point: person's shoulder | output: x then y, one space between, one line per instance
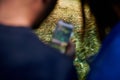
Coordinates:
115 35
44 49
112 42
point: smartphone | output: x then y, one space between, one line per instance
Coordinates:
62 33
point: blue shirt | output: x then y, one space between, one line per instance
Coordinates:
24 57
106 65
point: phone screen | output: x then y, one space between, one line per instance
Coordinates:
62 33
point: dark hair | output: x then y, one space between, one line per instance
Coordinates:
104 14
47 11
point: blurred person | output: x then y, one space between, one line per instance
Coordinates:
22 55
106 64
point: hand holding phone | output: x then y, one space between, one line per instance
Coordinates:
62 34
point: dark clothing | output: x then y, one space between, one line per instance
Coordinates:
106 65
24 57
